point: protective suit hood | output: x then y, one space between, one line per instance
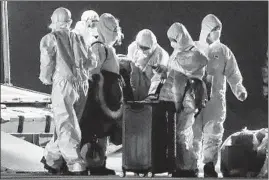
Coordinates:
60 18
208 24
179 33
108 28
89 15
89 34
147 38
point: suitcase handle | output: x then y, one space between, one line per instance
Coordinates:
156 95
136 107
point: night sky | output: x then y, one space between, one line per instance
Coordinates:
245 32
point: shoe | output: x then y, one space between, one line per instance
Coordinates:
101 171
209 170
52 170
184 173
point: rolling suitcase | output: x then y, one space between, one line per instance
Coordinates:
148 138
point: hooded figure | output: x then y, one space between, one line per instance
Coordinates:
104 104
65 63
184 87
87 26
222 67
146 54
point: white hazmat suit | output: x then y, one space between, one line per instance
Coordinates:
185 62
65 63
145 52
222 67
87 26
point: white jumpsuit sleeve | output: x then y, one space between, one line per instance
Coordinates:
131 49
164 57
91 63
47 58
233 74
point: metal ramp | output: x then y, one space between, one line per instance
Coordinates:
20 155
25 128
16 95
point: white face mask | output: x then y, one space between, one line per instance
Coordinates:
174 45
147 52
144 50
93 31
141 54
213 36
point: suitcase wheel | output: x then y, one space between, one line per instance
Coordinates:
142 174
122 174
150 174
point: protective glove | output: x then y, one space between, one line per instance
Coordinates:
241 92
160 68
45 81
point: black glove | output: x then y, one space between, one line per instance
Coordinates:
160 68
96 77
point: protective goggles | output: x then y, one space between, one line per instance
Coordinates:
217 28
172 40
143 48
93 24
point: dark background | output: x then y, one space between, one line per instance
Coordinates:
245 31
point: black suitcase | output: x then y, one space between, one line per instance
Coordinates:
148 138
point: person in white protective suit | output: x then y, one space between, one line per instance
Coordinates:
186 65
103 108
149 56
65 64
222 68
87 26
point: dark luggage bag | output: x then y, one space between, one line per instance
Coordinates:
148 138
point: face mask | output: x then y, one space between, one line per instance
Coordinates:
174 45
213 36
144 50
93 31
147 53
